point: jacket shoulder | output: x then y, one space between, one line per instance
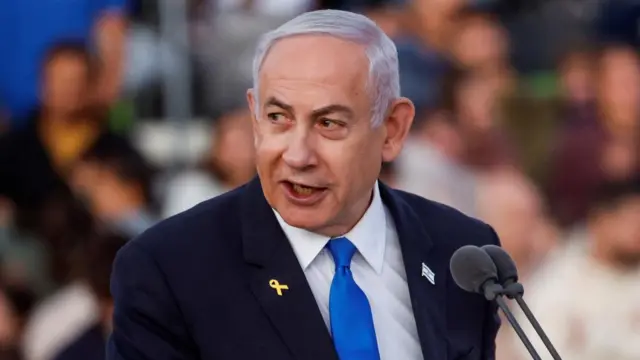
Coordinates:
201 226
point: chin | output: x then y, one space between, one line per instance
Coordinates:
304 218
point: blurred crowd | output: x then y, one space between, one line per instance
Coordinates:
528 117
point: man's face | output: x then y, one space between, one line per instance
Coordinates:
65 83
619 85
317 154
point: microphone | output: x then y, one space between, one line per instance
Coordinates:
508 277
507 270
474 271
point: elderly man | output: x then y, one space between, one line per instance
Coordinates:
313 259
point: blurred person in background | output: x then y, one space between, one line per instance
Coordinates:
25 258
90 343
286 8
480 44
534 122
228 164
66 227
587 297
421 42
433 21
430 164
31 27
509 202
577 69
448 146
35 160
116 183
223 42
514 207
473 101
590 152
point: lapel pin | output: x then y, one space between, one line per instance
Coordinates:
275 284
430 275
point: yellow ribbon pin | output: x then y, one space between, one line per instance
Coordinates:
275 284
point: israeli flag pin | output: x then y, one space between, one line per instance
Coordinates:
430 275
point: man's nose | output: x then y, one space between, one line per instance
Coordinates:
300 152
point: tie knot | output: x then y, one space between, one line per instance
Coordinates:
342 251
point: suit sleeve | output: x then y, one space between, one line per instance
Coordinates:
491 318
147 323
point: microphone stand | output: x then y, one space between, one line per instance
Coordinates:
496 292
515 291
514 323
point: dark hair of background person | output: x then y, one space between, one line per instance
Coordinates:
607 47
466 13
100 252
118 154
64 224
79 50
577 51
611 193
453 79
76 49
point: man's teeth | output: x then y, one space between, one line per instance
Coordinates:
302 190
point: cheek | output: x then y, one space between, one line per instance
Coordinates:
355 164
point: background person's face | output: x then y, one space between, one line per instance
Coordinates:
233 150
314 129
65 84
620 231
620 85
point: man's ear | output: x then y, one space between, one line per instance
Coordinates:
397 125
251 100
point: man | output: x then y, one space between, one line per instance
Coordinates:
251 274
35 160
594 313
115 181
100 24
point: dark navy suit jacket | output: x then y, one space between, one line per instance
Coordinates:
196 286
89 346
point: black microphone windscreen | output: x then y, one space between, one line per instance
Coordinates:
471 268
507 270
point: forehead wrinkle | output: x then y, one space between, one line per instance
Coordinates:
313 58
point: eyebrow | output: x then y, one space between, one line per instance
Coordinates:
323 111
272 101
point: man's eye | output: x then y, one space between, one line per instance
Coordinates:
329 124
276 117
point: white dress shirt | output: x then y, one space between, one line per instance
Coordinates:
377 268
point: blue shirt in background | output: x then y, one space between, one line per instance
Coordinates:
28 29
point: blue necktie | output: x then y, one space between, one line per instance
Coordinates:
354 335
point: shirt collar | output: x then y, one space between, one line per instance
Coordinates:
368 236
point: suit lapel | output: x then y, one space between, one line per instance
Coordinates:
294 313
428 300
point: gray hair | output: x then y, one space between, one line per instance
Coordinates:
384 79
